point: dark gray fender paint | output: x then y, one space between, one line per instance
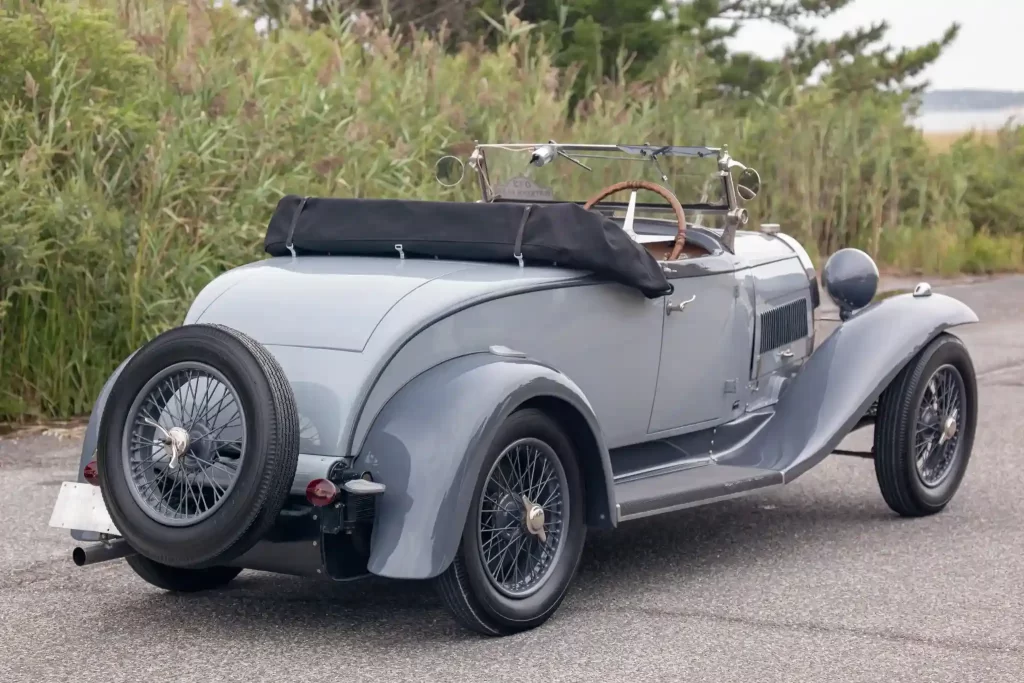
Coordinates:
427 445
843 377
91 434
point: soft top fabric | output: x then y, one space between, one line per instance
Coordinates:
563 235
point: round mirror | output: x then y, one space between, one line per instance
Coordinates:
748 184
449 171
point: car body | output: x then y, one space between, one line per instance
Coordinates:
404 367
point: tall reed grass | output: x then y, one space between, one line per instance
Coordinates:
143 146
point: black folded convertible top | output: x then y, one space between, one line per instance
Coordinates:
564 235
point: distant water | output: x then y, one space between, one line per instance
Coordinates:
960 121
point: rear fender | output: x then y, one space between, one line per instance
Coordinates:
845 376
91 434
428 443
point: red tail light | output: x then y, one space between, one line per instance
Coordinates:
91 473
321 492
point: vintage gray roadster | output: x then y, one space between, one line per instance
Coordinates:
457 390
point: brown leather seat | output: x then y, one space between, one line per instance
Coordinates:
662 250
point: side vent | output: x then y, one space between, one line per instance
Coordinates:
784 324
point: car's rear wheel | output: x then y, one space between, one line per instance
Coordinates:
198 446
924 432
524 534
179 579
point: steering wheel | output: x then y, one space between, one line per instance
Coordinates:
680 242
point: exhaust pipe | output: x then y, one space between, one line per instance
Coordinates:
101 552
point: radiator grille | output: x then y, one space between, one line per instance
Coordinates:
784 324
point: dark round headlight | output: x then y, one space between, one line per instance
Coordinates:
850 278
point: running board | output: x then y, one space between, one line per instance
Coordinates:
682 488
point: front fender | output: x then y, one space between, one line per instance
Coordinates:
427 445
92 430
846 374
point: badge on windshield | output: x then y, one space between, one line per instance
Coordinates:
523 189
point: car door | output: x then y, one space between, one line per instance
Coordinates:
703 351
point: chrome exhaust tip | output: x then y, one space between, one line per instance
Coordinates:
101 552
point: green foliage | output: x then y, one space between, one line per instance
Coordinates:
992 172
143 151
622 38
74 124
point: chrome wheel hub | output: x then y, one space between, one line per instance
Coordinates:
534 519
948 428
177 439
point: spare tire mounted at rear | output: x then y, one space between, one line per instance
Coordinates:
198 446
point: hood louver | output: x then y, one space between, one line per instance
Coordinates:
783 325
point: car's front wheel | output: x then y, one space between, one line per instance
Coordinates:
925 429
524 534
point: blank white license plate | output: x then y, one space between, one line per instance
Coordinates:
80 506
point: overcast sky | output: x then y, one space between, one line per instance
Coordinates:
988 53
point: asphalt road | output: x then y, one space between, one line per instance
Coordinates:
816 581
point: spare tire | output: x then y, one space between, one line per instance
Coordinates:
197 446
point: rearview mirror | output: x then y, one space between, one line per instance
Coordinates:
449 171
748 184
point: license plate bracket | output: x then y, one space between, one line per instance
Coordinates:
80 507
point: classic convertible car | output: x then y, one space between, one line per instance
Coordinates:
458 390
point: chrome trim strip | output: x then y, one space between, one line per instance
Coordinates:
668 468
695 503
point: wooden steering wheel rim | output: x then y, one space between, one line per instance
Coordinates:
680 242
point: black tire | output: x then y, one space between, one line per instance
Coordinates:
178 579
903 485
264 475
465 588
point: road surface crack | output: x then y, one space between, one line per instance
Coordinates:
817 627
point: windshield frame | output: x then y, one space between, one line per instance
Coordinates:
478 161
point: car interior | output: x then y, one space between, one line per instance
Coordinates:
657 235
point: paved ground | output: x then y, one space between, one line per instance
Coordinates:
817 581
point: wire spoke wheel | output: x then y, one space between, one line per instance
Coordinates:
523 516
925 427
184 443
940 422
197 449
522 537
